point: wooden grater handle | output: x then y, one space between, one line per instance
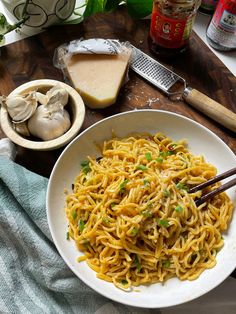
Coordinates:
211 108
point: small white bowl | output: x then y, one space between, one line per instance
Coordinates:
75 108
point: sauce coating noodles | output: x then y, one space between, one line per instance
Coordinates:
131 215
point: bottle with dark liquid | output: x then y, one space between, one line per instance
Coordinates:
171 25
221 32
208 6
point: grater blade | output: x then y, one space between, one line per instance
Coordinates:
155 72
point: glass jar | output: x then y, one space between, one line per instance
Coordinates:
221 32
171 25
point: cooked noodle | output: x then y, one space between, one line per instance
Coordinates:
131 215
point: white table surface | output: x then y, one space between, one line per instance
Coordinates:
201 22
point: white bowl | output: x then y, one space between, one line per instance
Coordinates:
201 141
75 106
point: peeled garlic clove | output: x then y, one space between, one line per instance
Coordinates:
48 125
21 128
58 94
21 108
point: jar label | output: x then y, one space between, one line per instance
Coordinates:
170 32
225 16
222 29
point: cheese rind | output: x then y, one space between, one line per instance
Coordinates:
98 78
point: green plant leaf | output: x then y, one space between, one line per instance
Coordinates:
111 5
4 25
94 6
139 8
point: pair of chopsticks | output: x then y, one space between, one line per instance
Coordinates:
218 190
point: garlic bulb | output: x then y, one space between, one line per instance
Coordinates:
21 107
49 122
21 128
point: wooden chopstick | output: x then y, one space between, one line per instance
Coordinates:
218 190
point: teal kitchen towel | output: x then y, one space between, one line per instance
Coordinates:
33 277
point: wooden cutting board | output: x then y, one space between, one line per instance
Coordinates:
32 58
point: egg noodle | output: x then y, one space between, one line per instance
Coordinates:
131 215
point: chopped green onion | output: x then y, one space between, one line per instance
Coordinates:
137 263
146 182
179 209
85 166
146 213
124 282
74 214
166 193
68 236
134 231
84 163
148 156
149 205
86 243
81 225
113 204
165 154
181 186
141 167
159 159
166 263
106 220
163 223
123 186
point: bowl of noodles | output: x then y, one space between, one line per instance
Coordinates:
122 218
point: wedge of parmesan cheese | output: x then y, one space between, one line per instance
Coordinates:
98 78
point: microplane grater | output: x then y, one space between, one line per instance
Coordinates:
154 72
172 84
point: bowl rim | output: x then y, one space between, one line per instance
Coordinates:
66 258
62 140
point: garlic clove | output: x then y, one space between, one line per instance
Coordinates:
21 128
41 98
57 94
21 107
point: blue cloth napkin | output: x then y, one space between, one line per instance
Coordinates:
34 278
